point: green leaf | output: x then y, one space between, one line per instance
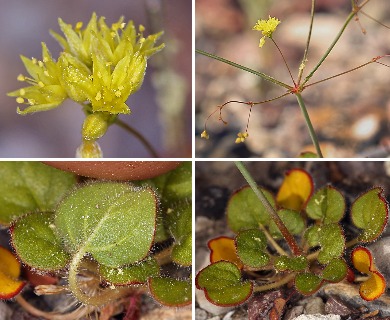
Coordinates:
115 222
176 184
245 211
307 283
284 263
291 219
179 224
30 186
331 239
221 282
335 271
308 154
251 248
135 273
171 292
35 241
327 205
182 251
369 212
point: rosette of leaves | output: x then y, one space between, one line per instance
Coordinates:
260 245
107 232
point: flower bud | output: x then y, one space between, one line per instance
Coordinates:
89 149
94 126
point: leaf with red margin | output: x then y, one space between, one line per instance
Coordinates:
222 284
370 212
295 190
10 286
170 292
375 286
224 248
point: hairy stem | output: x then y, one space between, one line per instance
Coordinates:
257 73
98 297
271 211
312 133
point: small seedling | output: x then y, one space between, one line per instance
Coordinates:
99 68
108 239
296 236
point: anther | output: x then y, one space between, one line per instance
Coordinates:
19 100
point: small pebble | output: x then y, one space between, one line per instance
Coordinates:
318 317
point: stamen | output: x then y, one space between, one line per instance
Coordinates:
40 63
19 100
98 96
21 78
41 84
34 60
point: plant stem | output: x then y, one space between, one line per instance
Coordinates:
349 18
285 62
76 314
273 214
276 246
276 284
257 73
97 297
139 136
312 133
304 59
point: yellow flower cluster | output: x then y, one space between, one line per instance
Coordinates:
100 65
267 28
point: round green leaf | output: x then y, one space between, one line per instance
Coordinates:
369 212
221 282
115 222
251 248
135 273
30 186
284 263
245 211
34 239
182 251
171 292
335 271
331 239
327 205
307 283
291 219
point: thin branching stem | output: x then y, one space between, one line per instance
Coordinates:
285 62
304 59
257 73
349 18
312 133
296 250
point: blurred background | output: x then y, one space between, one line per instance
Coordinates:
161 109
350 113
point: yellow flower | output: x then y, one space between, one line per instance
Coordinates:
241 136
267 28
100 65
45 91
204 135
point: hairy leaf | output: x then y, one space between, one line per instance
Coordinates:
115 222
291 219
307 283
251 248
245 211
369 212
335 271
171 292
35 241
326 205
222 284
30 186
284 263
